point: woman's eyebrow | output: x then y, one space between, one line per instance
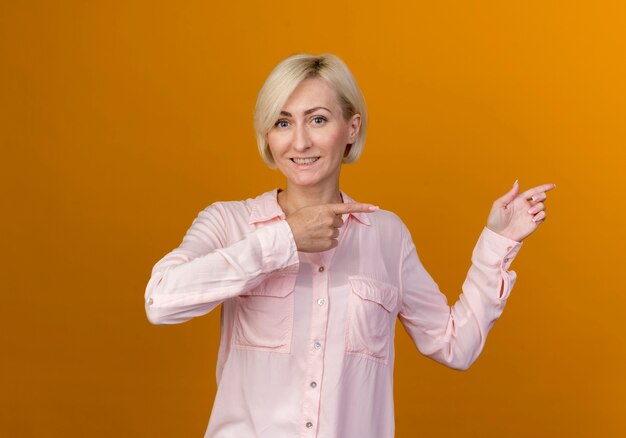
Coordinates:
312 110
307 112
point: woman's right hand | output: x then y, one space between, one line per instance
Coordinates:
316 228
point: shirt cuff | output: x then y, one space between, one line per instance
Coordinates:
278 248
497 249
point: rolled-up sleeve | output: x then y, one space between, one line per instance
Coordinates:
455 336
204 271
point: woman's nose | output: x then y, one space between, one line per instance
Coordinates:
302 140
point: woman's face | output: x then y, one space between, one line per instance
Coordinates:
309 139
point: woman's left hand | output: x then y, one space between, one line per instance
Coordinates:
517 215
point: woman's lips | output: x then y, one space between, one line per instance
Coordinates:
305 161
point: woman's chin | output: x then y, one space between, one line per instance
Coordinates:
308 181
303 183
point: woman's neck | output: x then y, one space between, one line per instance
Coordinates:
295 197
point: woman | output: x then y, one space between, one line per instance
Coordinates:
311 282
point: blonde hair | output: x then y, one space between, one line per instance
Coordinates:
284 79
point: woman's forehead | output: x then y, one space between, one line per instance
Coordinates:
311 93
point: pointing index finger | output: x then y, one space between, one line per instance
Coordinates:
539 189
353 207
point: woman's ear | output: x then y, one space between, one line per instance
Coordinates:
354 127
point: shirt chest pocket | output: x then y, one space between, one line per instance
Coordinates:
370 315
264 317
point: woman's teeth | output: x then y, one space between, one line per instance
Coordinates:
305 160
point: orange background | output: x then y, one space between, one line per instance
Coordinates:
121 120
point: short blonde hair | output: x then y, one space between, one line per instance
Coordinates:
284 79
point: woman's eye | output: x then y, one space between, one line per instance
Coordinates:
319 120
281 124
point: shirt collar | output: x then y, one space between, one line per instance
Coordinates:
265 207
360 216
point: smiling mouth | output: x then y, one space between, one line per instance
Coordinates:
305 160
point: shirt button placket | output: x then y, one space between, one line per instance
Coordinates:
319 323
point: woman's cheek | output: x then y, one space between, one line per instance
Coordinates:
278 142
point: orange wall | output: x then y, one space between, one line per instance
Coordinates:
121 120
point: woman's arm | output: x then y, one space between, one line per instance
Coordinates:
204 271
455 336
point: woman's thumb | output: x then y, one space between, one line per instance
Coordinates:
511 194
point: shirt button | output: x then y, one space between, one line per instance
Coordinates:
506 259
309 425
508 248
321 269
313 384
317 345
321 301
150 301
